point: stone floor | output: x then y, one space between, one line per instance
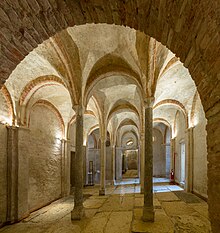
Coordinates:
120 211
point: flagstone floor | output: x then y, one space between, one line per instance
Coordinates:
120 211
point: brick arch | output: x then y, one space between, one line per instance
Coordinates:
162 120
31 88
190 29
178 25
175 103
40 81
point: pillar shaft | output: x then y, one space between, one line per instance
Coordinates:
103 164
78 211
142 161
148 210
12 174
172 151
113 164
189 183
65 171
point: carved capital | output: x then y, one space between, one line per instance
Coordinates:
149 102
79 110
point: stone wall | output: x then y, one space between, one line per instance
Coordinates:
200 152
94 155
159 154
44 158
118 161
168 153
25 144
3 173
109 164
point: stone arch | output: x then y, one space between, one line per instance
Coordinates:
31 88
175 103
127 121
133 132
120 106
108 66
189 29
37 83
164 121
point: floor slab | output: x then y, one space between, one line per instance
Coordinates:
119 211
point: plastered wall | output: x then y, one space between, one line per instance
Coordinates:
200 152
159 154
180 138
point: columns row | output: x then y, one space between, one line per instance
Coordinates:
148 211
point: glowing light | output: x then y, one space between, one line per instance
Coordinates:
129 142
5 120
84 142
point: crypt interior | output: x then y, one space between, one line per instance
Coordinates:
108 127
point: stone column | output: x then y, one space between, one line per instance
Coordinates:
172 159
103 162
65 164
78 211
142 161
189 160
85 175
148 209
113 164
12 174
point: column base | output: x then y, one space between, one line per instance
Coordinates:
77 213
102 192
148 214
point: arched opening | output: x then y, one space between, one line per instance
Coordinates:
174 35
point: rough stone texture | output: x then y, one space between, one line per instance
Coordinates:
55 217
3 173
44 158
189 29
24 152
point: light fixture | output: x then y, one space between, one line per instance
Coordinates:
129 142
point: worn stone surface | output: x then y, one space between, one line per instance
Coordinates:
101 216
189 29
3 174
44 159
162 223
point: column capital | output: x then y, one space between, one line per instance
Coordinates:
14 127
149 102
102 138
79 109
